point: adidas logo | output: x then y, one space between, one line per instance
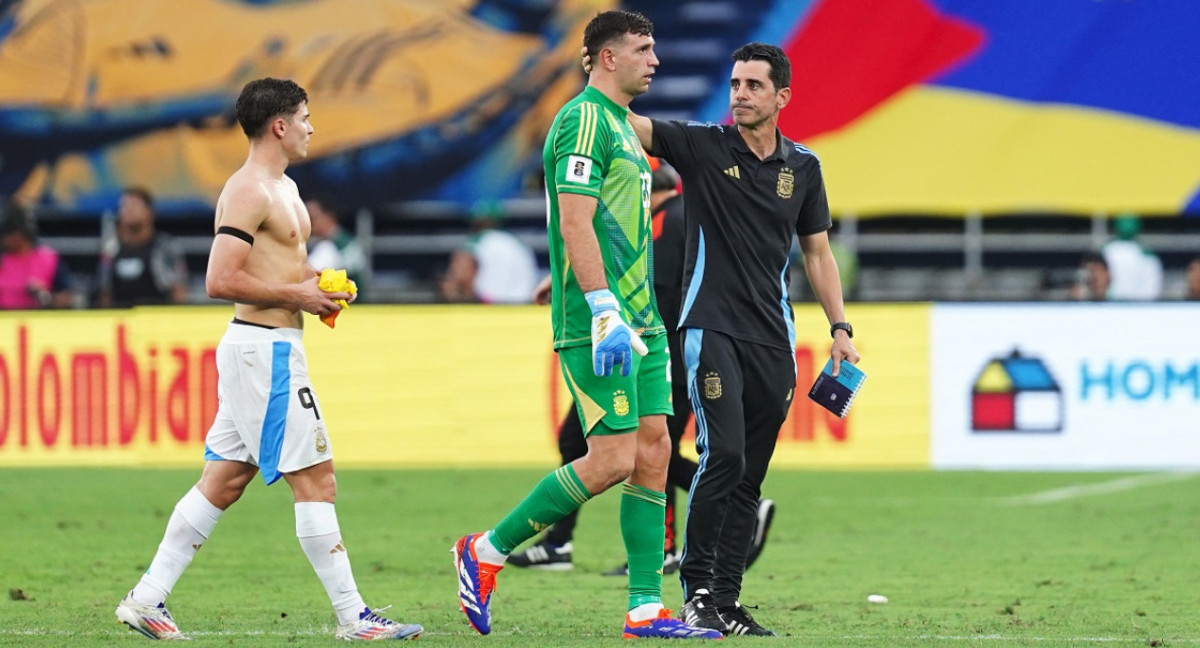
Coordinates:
339 547
734 172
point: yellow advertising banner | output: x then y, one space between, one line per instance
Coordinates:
401 386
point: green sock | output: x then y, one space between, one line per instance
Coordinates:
643 524
551 500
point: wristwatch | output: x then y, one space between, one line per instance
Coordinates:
841 326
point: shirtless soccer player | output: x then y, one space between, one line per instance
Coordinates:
269 419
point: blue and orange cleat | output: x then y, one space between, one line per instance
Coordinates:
665 627
476 581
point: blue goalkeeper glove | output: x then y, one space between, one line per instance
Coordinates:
612 340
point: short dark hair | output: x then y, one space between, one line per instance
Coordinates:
611 25
141 193
1094 257
15 218
781 67
265 99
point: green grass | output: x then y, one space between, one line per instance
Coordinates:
962 562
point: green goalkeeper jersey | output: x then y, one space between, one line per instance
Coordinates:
592 150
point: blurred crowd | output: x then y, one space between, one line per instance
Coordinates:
140 264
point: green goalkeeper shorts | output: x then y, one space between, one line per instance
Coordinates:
619 400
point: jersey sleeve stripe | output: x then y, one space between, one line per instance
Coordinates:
582 128
593 122
587 129
590 138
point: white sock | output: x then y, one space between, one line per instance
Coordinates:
190 525
486 551
317 529
645 611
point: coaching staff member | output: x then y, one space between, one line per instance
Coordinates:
749 189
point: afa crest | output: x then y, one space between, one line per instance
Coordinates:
786 183
322 441
712 385
620 403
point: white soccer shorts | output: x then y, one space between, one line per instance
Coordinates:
268 414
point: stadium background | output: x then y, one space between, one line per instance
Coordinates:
961 112
973 149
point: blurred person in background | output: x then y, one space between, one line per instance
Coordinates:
1192 280
331 246
32 275
1137 273
142 265
494 266
1092 280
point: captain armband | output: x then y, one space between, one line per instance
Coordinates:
235 233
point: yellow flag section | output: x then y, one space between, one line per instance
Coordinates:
993 154
402 386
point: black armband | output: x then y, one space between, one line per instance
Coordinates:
235 233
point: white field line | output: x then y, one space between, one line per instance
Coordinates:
50 632
1102 488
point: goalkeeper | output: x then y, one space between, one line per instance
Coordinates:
610 339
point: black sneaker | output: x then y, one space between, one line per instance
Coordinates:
701 611
670 566
762 525
739 622
544 555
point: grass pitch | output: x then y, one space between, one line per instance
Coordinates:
966 559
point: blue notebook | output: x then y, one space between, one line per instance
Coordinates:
837 394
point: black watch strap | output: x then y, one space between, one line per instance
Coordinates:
841 326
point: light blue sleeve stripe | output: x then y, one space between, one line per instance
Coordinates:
787 313
270 444
697 278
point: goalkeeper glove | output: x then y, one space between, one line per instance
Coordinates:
612 340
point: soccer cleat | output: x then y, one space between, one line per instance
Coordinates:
739 622
762 525
154 622
664 627
544 555
701 612
476 581
372 627
670 566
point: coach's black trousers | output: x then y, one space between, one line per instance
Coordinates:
740 393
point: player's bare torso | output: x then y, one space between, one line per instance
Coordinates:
279 253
